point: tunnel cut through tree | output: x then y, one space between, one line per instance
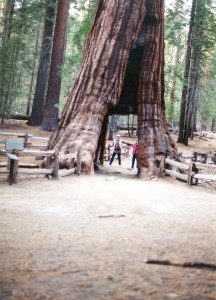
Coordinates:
121 30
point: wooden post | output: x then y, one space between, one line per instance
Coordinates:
72 163
25 140
162 163
16 165
10 176
56 164
48 166
78 170
13 170
190 173
195 155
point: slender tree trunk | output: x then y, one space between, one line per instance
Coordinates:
32 74
132 129
43 70
173 88
128 125
99 84
50 119
213 127
8 18
7 28
153 135
195 73
184 101
6 95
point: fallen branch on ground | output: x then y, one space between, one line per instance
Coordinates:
196 265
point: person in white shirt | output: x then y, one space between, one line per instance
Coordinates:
117 144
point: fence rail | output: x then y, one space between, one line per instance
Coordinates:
30 141
190 173
15 150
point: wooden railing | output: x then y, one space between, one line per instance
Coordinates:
14 151
190 173
30 141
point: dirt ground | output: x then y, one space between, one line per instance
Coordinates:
88 237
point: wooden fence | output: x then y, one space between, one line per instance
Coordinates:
30 141
15 150
189 172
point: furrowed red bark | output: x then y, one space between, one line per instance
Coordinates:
153 135
99 84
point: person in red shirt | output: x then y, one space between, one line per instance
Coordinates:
134 153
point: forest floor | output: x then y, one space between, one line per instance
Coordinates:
88 237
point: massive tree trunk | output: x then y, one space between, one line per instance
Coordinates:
104 79
51 110
43 70
99 84
153 135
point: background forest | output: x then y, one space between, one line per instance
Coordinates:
41 47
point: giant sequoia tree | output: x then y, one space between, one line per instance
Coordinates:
123 32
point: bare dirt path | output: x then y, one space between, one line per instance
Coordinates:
87 238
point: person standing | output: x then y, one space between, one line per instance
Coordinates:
134 153
117 144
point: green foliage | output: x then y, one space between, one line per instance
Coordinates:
16 48
207 105
79 24
176 22
203 43
18 33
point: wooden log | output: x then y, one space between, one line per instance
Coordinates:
15 134
177 164
27 165
35 147
177 175
42 138
198 265
4 173
36 171
187 156
66 172
68 156
20 117
205 167
204 176
190 173
27 152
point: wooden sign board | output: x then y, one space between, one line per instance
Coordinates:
12 156
11 145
